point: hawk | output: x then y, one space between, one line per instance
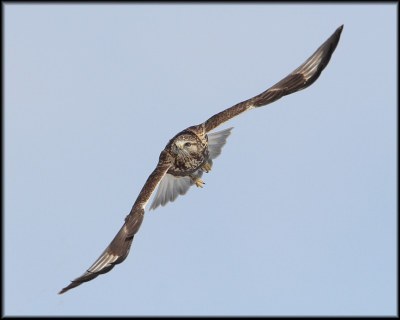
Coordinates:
191 152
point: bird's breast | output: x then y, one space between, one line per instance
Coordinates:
187 164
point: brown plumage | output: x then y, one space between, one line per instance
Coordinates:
190 153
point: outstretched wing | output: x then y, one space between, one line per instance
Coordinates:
299 79
171 187
118 249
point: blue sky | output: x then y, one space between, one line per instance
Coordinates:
297 217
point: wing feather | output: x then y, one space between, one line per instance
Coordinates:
216 141
299 79
118 249
169 189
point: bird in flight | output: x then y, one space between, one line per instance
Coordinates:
191 152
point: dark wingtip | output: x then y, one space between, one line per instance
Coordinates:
340 29
73 284
63 290
336 37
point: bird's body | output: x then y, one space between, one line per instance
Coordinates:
190 153
189 150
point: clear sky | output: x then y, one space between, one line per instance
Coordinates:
298 215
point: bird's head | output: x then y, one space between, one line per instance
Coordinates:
186 144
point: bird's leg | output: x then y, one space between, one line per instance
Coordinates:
206 167
197 181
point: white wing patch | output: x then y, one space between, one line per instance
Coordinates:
170 187
216 141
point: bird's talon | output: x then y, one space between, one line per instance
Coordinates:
206 167
199 183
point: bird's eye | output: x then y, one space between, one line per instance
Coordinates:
187 145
